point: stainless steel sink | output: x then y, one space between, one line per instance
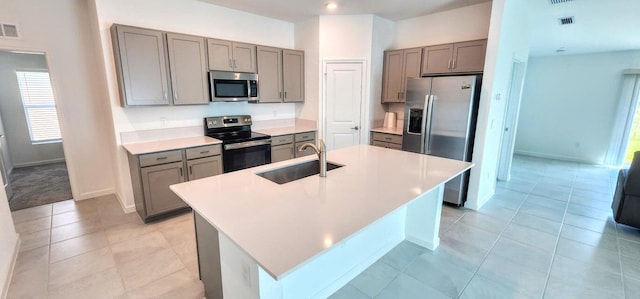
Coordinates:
295 172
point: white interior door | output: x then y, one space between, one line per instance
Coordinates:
511 120
344 92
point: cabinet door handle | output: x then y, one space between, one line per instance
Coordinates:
449 65
280 96
387 138
204 152
165 94
398 95
285 94
190 169
454 64
175 95
161 158
230 63
181 174
282 140
234 64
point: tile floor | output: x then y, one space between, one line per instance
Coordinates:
91 249
546 233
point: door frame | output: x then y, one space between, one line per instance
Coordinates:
629 101
364 126
73 180
510 122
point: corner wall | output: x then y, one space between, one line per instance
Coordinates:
8 242
508 40
569 105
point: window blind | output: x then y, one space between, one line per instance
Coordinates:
39 106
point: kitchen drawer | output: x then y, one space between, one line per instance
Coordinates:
160 158
284 139
379 143
394 146
203 151
387 137
305 136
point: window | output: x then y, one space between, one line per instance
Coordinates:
39 106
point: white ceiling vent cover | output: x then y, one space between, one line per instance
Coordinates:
566 21
9 31
559 1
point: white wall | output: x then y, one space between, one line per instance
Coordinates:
569 104
383 37
462 24
8 241
509 34
307 38
22 152
190 17
61 30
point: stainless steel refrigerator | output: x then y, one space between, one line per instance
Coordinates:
440 120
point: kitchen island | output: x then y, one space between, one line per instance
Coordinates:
308 238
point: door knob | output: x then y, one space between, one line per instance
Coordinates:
355 128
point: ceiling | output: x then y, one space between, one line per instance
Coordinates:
298 10
600 26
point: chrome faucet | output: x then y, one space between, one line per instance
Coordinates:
321 151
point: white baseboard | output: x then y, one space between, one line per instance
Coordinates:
127 209
478 204
16 251
37 163
557 157
97 193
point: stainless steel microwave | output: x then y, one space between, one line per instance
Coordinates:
233 87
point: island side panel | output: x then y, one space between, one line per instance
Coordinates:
422 225
208 247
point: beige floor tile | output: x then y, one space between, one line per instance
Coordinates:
193 268
78 245
127 231
147 269
74 216
112 214
30 275
31 213
173 220
80 266
34 240
64 206
105 284
178 233
76 229
31 226
187 249
138 247
176 283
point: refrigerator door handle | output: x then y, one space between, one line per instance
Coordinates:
423 127
429 118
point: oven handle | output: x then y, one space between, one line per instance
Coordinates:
246 144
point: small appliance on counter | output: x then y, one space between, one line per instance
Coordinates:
440 120
241 148
233 87
389 120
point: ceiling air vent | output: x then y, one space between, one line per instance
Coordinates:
559 1
9 31
566 21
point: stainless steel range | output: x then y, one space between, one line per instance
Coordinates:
241 148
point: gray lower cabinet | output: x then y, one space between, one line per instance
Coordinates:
282 148
302 138
391 141
204 167
156 181
152 174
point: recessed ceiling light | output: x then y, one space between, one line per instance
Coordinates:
332 5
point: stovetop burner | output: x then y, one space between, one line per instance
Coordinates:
231 129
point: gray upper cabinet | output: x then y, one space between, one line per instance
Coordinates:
188 65
469 56
231 56
270 74
156 181
463 57
293 75
437 59
141 62
398 66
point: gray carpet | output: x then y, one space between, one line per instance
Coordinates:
38 185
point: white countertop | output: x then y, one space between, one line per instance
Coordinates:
282 226
395 131
169 144
299 128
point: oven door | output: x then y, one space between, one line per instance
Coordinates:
248 154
